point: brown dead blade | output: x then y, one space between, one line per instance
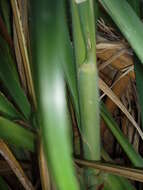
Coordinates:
15 166
44 173
103 86
23 49
133 174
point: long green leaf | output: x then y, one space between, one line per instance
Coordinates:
7 109
128 22
9 79
135 158
49 49
16 135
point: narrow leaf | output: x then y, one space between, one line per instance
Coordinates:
12 85
128 22
7 109
135 158
17 135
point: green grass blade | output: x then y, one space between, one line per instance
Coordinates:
135 158
7 109
11 83
16 135
87 23
128 22
49 55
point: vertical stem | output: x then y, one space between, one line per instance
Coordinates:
85 51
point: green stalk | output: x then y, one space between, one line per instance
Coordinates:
85 51
49 55
89 108
79 46
89 111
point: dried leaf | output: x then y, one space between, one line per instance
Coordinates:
15 166
103 86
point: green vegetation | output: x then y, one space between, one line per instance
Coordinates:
50 94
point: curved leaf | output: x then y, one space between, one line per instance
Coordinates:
17 135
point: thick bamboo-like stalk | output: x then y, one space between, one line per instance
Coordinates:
84 42
89 109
